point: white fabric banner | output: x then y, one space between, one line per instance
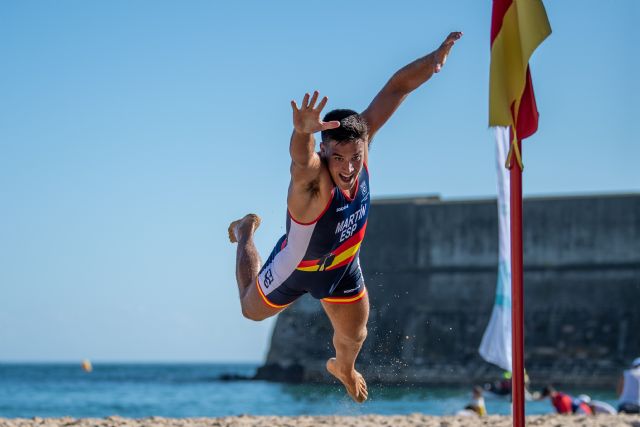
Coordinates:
496 341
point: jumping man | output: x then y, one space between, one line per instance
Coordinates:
328 205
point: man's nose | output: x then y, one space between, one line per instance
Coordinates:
350 167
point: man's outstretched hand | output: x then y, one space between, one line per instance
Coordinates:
306 119
443 51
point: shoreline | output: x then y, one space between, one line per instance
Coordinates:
413 420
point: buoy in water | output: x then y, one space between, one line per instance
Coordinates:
86 365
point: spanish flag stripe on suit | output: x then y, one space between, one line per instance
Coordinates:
342 255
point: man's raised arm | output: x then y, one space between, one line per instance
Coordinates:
306 121
403 82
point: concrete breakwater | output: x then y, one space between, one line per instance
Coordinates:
431 270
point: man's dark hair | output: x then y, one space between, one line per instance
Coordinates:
353 127
548 390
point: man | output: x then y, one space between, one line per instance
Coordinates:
565 404
328 206
629 389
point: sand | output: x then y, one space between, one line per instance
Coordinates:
413 420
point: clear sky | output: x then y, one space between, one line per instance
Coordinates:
133 132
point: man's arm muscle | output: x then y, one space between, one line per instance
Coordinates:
306 165
305 162
403 82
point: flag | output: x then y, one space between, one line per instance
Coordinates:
517 28
496 342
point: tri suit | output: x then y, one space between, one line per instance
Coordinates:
320 257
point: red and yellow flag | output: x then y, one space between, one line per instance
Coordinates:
517 28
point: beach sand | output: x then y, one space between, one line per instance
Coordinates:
414 420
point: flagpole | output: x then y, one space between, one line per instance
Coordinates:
517 29
517 307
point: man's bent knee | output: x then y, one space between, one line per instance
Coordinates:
355 338
360 336
252 314
253 308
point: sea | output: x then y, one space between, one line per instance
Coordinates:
213 390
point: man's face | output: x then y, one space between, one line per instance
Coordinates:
344 162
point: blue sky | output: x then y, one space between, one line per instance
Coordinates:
132 133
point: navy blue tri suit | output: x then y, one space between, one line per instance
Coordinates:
320 257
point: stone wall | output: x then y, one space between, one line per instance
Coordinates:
431 270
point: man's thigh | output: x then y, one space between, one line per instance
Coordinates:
348 318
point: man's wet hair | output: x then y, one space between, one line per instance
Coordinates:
353 127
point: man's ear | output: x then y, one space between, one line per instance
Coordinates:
323 148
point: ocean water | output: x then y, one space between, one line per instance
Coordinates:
196 390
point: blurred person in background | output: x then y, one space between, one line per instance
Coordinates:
564 403
629 389
597 406
476 407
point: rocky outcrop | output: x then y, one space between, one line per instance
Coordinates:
431 270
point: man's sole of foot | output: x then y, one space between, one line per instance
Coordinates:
233 227
357 391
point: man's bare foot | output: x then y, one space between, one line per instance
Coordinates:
353 381
247 224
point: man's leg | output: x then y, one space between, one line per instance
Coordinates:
247 267
349 332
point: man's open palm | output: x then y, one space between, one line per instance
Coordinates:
306 119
